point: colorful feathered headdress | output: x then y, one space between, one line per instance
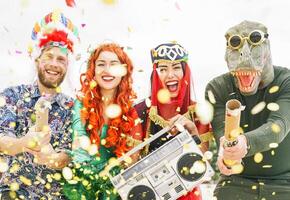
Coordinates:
53 30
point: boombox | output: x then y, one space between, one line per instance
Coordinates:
167 173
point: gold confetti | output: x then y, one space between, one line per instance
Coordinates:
238 168
113 162
118 70
109 2
67 173
32 143
273 106
57 176
15 167
128 159
113 111
258 157
275 128
58 90
211 97
258 108
163 96
12 124
25 180
93 84
272 152
204 112
273 89
254 187
273 145
3 166
2 101
103 142
93 149
14 186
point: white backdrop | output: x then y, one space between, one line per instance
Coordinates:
199 25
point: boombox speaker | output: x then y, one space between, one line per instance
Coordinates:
167 173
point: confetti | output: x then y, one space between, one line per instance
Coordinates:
204 111
273 89
3 166
273 106
258 108
58 90
258 157
85 142
109 2
208 155
103 142
177 6
273 145
25 180
148 102
267 166
163 96
113 162
2 101
211 97
93 84
237 169
275 128
93 149
14 186
198 167
118 70
113 111
70 3
67 173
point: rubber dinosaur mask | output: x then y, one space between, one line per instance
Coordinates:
248 56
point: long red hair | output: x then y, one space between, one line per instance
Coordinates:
92 112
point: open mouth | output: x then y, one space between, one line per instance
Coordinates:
172 86
246 79
52 73
108 78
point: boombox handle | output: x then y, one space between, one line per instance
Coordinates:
143 144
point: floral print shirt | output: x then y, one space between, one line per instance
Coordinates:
17 115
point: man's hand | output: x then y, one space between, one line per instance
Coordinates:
34 140
236 152
181 121
49 157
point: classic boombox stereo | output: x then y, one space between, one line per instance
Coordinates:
167 173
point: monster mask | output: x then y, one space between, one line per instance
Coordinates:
248 56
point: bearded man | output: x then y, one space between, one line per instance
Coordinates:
264 90
33 157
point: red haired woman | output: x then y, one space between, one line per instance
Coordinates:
103 114
171 90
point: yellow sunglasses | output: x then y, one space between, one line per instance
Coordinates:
255 38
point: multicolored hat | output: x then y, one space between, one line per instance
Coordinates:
169 52
53 30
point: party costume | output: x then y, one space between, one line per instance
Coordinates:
152 115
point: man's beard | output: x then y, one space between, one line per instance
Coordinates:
48 83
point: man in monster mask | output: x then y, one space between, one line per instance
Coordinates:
264 90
